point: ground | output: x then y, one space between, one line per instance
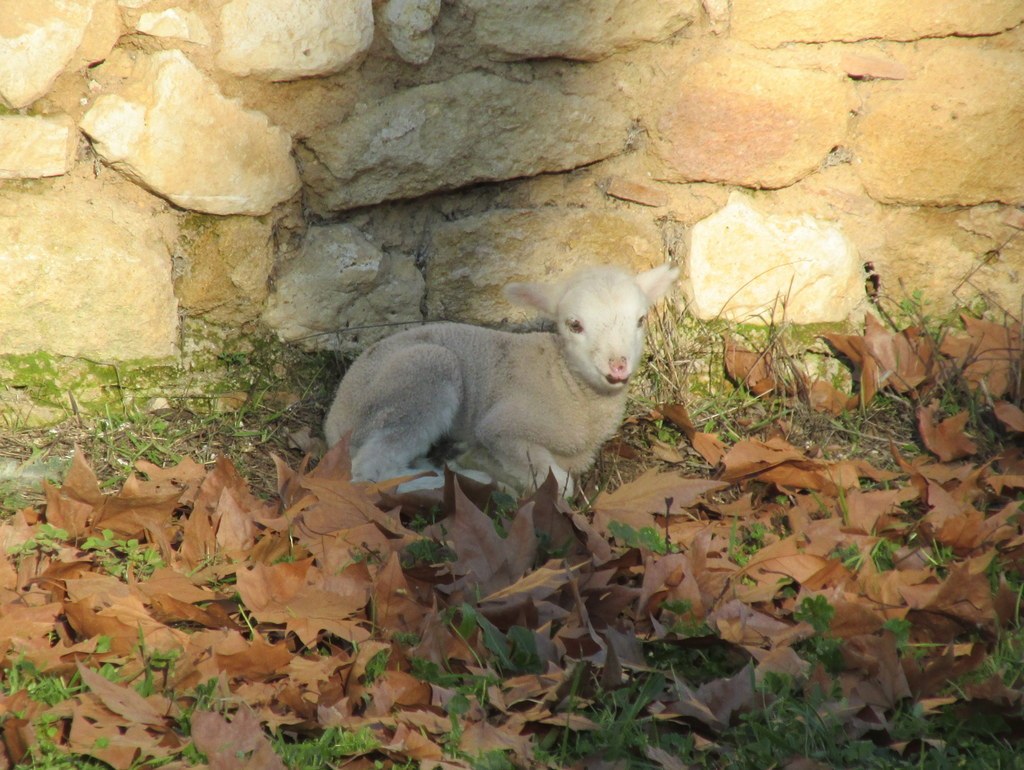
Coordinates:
776 569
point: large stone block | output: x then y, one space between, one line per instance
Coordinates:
289 39
101 35
175 23
40 39
742 121
172 131
226 265
408 25
574 29
32 147
474 127
951 133
471 260
97 284
342 293
751 267
816 21
949 257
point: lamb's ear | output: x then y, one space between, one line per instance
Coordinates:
539 296
656 282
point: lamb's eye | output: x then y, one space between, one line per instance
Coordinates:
574 325
641 321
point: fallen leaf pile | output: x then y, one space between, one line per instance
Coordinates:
986 356
197 620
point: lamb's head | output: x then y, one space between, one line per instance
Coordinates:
600 313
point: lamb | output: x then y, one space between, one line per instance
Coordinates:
517 405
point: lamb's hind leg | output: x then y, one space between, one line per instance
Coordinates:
409 404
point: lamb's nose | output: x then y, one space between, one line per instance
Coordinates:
618 369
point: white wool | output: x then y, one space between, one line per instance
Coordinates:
518 405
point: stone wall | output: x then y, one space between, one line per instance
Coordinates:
325 168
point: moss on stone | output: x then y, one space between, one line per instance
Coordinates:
41 388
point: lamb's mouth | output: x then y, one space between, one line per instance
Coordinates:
613 380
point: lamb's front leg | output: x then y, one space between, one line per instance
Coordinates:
514 456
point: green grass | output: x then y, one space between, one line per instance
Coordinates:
328 750
124 558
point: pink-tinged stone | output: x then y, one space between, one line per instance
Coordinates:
746 122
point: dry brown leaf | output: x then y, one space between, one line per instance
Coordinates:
198 543
569 721
755 371
945 438
481 551
167 609
20 624
1010 415
67 512
707 445
710 447
855 618
740 624
988 353
776 461
825 397
864 510
118 745
294 594
481 737
235 526
678 415
394 606
139 507
412 744
254 659
535 585
185 478
236 745
665 759
1003 525
169 581
124 701
397 689
994 690
798 566
962 532
804 475
715 703
81 483
653 493
752 457
906 359
780 660
963 600
102 606
670 577
666 452
875 660
854 347
565 532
